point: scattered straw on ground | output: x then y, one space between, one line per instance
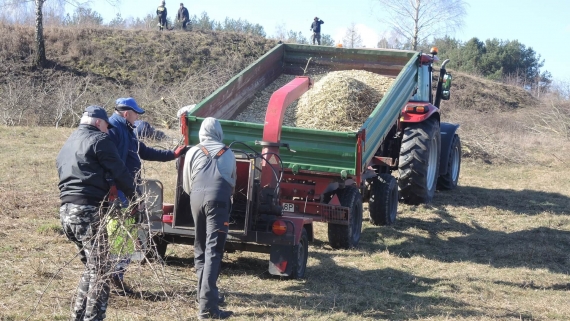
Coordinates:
339 101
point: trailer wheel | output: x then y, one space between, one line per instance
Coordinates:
347 236
157 248
419 162
301 253
450 179
383 204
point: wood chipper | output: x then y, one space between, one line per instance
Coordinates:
290 177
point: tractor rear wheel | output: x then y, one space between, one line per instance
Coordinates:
383 203
301 254
419 162
450 179
347 236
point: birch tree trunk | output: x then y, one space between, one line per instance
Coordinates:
40 58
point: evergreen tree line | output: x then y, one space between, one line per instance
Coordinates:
501 60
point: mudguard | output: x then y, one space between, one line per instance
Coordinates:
282 257
281 260
447 133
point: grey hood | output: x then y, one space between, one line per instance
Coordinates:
211 130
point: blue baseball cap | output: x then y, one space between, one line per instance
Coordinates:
128 104
97 112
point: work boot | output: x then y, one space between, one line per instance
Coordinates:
122 286
219 315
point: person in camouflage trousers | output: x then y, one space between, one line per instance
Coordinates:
83 163
81 225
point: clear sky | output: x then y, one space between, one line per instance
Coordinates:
543 25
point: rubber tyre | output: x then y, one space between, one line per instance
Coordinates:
451 178
157 248
347 236
301 252
419 162
383 203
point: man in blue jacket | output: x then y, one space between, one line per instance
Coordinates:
131 151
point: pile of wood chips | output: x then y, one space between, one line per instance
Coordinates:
338 101
342 100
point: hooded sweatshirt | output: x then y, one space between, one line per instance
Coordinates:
211 137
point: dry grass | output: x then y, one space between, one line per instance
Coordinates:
505 124
496 248
97 65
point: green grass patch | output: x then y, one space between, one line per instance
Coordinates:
50 228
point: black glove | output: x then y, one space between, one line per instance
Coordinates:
180 150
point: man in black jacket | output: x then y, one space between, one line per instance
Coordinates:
161 14
83 163
316 28
183 16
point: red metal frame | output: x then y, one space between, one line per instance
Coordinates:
426 59
407 117
274 122
184 128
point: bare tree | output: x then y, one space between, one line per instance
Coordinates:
352 37
19 5
418 20
280 32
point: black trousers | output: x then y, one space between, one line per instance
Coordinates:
211 215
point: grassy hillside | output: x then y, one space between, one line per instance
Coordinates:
96 66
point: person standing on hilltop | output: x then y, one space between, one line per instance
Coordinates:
161 15
183 16
316 28
83 163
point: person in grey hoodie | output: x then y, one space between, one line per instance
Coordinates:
209 178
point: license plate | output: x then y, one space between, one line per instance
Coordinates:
288 207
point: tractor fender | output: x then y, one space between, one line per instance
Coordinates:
447 131
407 117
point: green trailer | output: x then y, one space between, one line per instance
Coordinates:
290 177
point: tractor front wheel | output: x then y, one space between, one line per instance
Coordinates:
450 179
